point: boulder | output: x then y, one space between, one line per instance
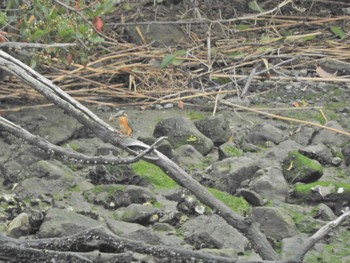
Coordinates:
262 133
60 223
215 128
213 232
181 131
280 152
229 149
328 137
270 184
228 174
274 222
19 226
142 214
319 152
299 168
188 157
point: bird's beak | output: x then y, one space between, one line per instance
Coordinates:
115 116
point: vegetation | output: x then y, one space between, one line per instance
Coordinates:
153 174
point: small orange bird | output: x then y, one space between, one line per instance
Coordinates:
123 122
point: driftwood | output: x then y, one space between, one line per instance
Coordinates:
136 148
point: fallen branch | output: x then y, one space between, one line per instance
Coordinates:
321 233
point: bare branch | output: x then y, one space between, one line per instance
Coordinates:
21 45
321 233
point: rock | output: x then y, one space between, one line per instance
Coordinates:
329 137
299 168
114 196
188 203
92 146
216 128
346 154
19 226
152 237
292 244
303 135
164 147
51 178
270 184
60 223
212 232
325 213
262 133
229 149
228 174
274 222
280 152
181 131
114 174
56 126
319 152
123 228
142 214
251 197
188 157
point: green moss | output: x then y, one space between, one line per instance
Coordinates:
73 146
298 167
301 190
153 174
195 115
237 204
232 151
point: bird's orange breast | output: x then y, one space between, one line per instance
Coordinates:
124 126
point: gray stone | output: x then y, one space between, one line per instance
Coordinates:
19 226
228 174
319 152
274 222
123 228
59 223
114 196
229 149
216 128
213 232
51 178
92 146
291 245
303 135
187 156
251 197
270 184
142 214
329 137
280 152
181 131
262 133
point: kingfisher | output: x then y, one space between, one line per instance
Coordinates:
123 122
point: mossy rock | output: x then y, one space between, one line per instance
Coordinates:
299 168
153 174
237 204
304 190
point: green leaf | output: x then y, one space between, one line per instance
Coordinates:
308 38
254 6
167 60
177 62
337 31
3 18
242 27
96 40
33 63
